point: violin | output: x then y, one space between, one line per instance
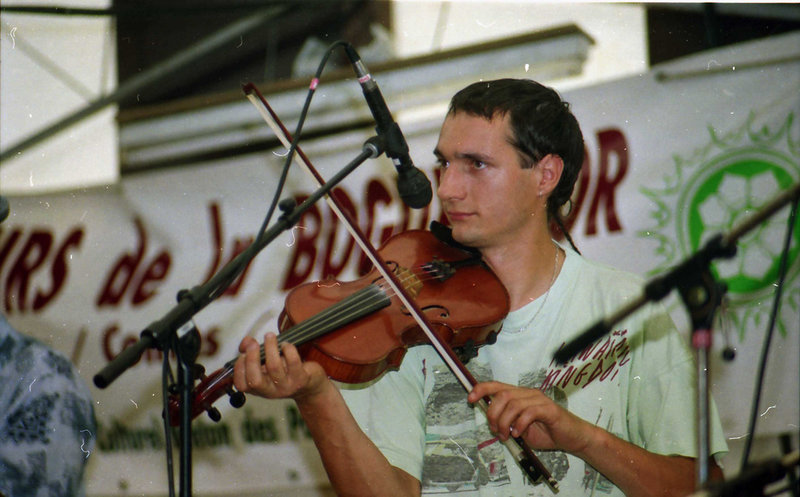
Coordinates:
358 330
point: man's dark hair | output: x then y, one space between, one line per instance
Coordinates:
541 122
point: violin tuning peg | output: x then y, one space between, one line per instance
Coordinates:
214 414
237 399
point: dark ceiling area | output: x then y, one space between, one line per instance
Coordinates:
150 32
676 30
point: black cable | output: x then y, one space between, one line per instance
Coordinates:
286 166
768 337
296 137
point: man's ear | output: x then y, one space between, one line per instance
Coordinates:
550 167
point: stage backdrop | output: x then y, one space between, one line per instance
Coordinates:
673 156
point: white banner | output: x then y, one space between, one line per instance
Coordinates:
672 158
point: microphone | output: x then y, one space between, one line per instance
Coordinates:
413 185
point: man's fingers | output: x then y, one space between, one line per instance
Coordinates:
246 342
252 367
272 355
292 360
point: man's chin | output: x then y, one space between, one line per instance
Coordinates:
465 237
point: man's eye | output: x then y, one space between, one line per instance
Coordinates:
443 163
478 164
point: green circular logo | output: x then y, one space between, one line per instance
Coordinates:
725 191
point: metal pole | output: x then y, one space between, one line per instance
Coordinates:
702 344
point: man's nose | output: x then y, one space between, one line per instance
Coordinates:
450 184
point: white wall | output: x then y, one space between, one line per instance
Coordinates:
618 30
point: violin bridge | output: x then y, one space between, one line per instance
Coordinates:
411 282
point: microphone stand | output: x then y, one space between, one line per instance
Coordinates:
176 330
701 294
753 481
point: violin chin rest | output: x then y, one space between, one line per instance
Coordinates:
445 235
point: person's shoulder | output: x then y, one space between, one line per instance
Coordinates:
604 272
29 359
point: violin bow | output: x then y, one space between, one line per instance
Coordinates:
519 449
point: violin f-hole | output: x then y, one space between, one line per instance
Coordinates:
440 311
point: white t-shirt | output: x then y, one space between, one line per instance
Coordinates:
637 383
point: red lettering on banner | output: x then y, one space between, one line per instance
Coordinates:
319 230
33 255
59 269
622 348
304 250
209 346
612 143
377 194
33 258
110 332
239 245
154 274
578 193
124 273
329 267
599 180
8 245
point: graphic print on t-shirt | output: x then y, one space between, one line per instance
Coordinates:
461 454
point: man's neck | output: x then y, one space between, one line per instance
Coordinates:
526 269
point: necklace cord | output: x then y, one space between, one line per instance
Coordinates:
546 294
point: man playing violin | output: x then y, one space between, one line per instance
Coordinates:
616 420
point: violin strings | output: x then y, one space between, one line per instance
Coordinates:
336 315
327 320
342 312
360 306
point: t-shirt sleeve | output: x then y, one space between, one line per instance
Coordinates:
662 411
